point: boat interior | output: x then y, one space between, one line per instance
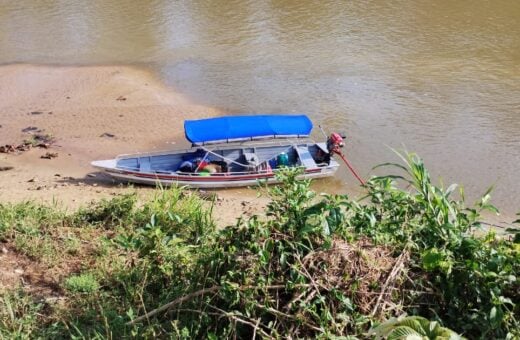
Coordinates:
229 160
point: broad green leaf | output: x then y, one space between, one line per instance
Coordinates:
404 333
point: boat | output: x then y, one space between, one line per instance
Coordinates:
231 151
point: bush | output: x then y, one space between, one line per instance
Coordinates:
468 282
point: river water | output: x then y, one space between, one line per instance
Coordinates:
440 78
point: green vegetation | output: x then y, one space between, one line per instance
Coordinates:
316 266
84 283
413 327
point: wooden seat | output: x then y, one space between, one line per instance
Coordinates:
144 164
305 157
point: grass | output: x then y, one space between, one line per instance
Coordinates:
316 266
19 315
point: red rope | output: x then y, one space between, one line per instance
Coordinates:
338 152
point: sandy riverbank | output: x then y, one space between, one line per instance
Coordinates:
92 112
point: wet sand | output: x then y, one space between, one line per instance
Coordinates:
93 113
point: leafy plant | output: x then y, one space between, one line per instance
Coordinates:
411 328
472 280
83 283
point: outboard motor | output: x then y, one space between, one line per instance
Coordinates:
334 142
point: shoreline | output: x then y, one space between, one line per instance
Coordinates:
92 112
97 112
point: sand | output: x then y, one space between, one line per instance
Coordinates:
93 112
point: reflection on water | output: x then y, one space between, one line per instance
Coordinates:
441 78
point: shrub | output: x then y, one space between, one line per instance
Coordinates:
468 282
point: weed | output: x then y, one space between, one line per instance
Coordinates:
72 245
18 315
107 213
36 246
83 283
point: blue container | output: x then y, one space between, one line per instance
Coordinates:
283 159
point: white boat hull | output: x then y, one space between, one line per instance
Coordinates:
202 182
164 168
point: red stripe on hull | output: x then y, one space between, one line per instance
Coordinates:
225 178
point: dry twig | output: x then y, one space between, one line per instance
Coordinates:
199 293
399 265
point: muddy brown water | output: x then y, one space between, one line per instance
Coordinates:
440 78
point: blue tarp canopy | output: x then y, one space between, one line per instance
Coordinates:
231 128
